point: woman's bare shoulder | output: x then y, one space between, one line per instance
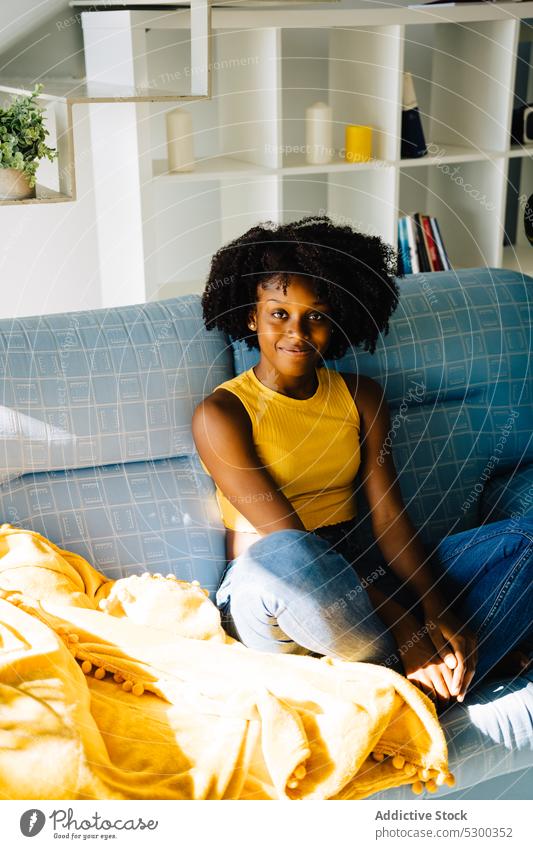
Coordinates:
224 399
222 405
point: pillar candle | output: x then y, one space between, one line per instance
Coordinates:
318 133
180 140
358 143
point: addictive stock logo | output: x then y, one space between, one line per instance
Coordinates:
32 822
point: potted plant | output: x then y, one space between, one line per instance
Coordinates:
22 145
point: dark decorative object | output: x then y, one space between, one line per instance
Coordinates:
528 220
413 141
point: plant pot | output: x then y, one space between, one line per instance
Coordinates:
14 185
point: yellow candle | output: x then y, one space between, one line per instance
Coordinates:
358 143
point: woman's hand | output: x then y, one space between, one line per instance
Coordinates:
436 656
424 667
455 644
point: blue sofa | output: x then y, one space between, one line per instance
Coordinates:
96 451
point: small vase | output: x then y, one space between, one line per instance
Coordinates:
318 134
180 140
14 185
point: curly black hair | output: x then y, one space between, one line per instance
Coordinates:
353 272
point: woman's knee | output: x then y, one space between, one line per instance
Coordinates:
299 557
485 541
265 566
524 526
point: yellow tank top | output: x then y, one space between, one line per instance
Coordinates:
310 447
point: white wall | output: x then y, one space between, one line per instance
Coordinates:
48 252
18 18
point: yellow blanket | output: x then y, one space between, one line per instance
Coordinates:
131 690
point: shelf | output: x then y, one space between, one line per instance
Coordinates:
295 163
210 168
377 15
450 153
87 91
220 167
521 150
43 195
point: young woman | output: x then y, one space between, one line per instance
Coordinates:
284 442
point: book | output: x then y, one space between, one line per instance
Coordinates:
402 263
411 238
413 144
403 247
425 264
420 221
420 244
440 244
434 258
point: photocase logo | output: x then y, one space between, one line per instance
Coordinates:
32 822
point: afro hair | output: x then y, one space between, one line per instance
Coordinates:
353 272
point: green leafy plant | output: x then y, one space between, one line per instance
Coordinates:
23 134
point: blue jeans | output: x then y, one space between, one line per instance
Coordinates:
303 592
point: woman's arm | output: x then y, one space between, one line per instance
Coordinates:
397 537
394 532
222 433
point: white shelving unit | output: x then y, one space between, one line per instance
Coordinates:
267 67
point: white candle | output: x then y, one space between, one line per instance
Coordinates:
318 134
180 140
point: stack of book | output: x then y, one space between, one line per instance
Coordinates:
420 244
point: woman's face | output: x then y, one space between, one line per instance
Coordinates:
293 329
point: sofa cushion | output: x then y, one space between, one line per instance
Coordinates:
126 518
106 386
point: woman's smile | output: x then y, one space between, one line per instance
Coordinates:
297 352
